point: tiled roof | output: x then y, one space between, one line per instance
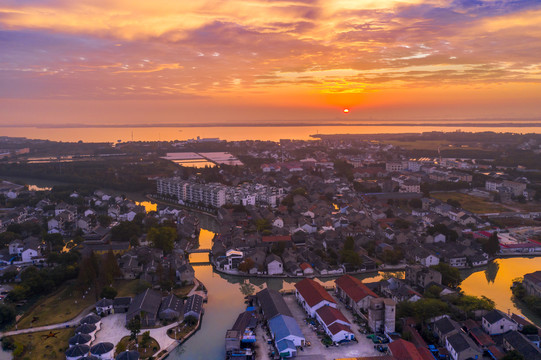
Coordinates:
312 292
337 327
272 303
404 350
354 288
329 315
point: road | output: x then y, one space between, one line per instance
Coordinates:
70 323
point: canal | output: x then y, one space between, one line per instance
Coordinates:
226 296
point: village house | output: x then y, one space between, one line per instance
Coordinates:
354 293
462 347
335 324
496 322
532 283
312 296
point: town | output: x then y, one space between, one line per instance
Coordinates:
88 270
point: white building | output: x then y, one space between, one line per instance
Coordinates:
496 322
312 296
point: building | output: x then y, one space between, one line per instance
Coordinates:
272 304
532 283
286 335
394 166
103 351
193 306
170 308
274 265
382 315
445 327
335 324
496 322
190 192
311 295
421 276
104 306
516 341
462 347
354 293
146 306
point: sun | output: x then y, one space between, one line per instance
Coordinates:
346 111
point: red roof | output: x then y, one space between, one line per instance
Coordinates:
425 353
312 292
329 315
305 266
337 327
404 350
354 288
276 238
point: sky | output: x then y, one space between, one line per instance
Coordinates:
216 61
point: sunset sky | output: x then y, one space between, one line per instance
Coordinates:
164 61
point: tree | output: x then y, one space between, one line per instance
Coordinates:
529 330
108 292
7 315
109 267
190 320
54 241
134 325
145 339
104 220
162 238
492 246
513 355
125 231
246 265
416 203
450 276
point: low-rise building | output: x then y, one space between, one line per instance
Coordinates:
312 296
532 283
496 322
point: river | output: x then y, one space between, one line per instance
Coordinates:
236 133
226 296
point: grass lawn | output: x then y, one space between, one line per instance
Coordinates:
39 346
145 352
183 291
126 287
471 203
182 331
63 305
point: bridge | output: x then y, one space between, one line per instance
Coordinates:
199 251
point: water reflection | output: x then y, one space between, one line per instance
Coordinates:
494 282
492 271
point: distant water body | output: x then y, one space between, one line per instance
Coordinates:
255 132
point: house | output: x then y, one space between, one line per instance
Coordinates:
404 350
532 283
354 293
285 327
418 275
382 315
335 323
445 327
104 306
496 322
307 269
170 308
193 306
311 295
121 304
185 274
274 265
462 347
146 306
272 304
516 341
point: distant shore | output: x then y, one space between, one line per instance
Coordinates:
353 123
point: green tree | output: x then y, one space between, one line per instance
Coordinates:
7 315
126 231
492 246
109 269
246 265
513 355
145 339
162 238
108 292
450 276
134 325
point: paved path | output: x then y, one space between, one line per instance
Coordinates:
70 323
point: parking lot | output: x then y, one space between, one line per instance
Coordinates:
364 347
